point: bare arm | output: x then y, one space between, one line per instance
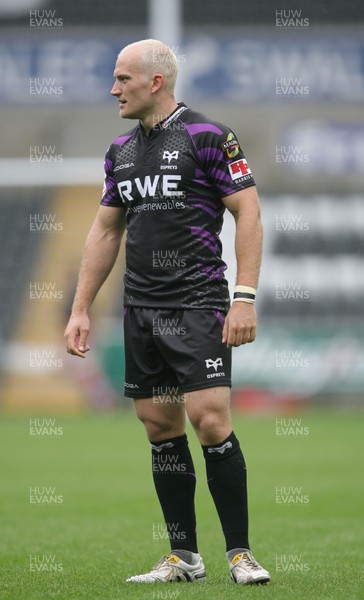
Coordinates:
99 256
240 322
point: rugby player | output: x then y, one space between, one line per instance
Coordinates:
168 182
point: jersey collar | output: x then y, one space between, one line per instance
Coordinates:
162 125
181 107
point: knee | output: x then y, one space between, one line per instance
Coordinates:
211 426
157 430
159 426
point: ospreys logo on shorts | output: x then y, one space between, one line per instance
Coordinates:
210 363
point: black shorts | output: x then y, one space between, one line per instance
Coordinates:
172 349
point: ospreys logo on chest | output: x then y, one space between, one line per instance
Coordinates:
170 156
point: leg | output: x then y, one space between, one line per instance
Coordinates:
209 413
161 418
164 418
173 469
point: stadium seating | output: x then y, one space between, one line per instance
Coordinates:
20 250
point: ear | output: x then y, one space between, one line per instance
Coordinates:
157 82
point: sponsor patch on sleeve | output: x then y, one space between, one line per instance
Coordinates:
239 170
231 146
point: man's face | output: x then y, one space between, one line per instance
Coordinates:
132 86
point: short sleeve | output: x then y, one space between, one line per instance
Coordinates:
225 163
110 192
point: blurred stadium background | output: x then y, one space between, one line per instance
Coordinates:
289 80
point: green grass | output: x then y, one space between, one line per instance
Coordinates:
102 532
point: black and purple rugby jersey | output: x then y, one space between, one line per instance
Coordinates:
170 184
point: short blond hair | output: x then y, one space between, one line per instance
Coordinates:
157 58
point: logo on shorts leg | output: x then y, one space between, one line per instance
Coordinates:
213 363
210 363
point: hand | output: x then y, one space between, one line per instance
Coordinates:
76 335
240 325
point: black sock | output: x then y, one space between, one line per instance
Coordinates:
226 478
175 482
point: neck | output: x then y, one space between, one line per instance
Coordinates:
159 113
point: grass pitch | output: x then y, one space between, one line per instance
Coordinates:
305 491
